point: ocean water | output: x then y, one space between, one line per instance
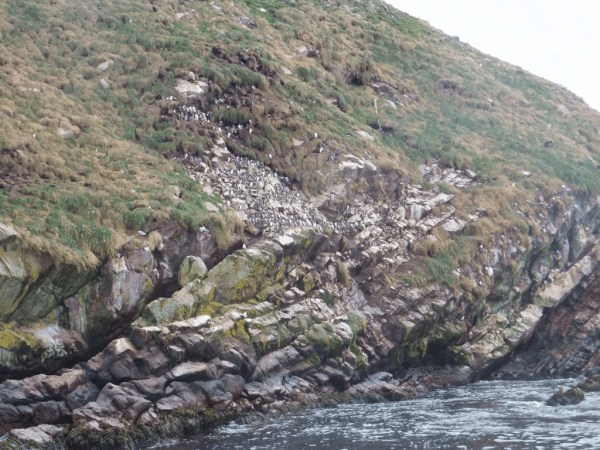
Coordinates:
483 415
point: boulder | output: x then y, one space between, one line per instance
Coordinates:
50 412
193 371
40 435
192 268
125 400
7 234
30 289
118 295
381 376
591 384
365 135
215 392
191 393
562 109
53 315
60 386
242 275
572 396
234 384
191 89
171 403
66 134
271 362
82 395
105 65
194 344
36 347
151 388
194 299
95 411
9 414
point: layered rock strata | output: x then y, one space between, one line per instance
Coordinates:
172 327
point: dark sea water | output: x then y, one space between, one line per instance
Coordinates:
484 415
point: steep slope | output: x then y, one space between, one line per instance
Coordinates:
352 68
238 205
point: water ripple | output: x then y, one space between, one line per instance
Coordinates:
484 415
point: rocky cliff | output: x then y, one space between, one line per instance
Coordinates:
173 328
216 209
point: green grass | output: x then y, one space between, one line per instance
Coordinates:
76 194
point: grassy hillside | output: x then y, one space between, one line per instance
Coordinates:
89 134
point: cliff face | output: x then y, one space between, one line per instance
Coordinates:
215 208
53 316
565 341
172 323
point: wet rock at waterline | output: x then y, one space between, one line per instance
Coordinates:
571 396
590 384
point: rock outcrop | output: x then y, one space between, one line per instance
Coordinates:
51 316
311 305
572 396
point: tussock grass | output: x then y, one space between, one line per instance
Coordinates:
72 197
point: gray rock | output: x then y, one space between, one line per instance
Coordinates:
95 411
50 412
82 395
171 403
105 65
271 362
472 175
193 371
60 386
22 392
234 384
151 388
225 367
215 392
176 353
66 134
191 393
192 268
135 407
8 414
51 430
381 376
563 109
572 396
149 418
35 434
194 344
7 234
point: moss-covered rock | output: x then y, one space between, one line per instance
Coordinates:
31 287
591 384
571 396
61 314
323 339
192 268
245 273
36 346
194 299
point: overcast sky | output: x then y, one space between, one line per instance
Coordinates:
557 40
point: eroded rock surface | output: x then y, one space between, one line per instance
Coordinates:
310 306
